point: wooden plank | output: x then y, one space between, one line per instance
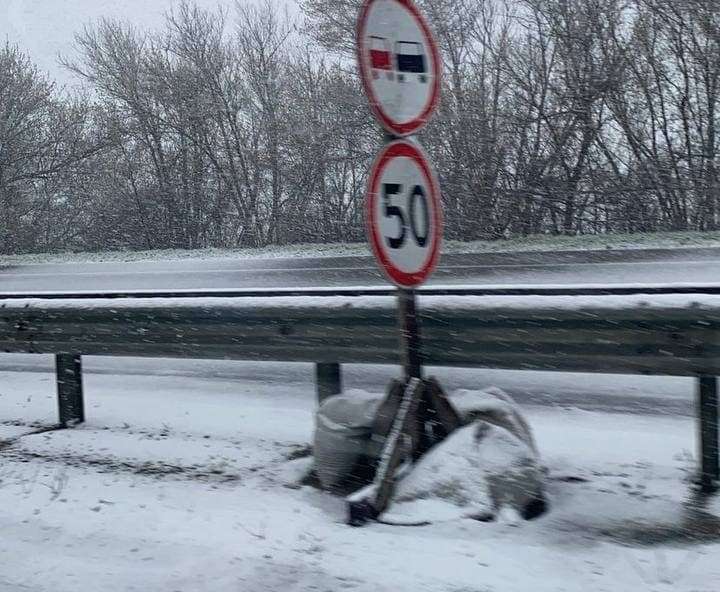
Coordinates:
373 501
386 413
396 449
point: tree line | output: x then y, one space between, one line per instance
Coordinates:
248 127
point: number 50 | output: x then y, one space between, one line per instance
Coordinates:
417 196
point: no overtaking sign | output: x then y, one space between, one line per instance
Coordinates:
399 64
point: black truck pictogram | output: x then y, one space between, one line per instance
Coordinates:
408 59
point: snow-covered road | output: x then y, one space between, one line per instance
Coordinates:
185 477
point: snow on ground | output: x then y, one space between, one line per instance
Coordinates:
185 477
534 243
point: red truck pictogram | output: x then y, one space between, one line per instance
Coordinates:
408 58
381 57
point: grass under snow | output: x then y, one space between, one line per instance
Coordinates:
657 240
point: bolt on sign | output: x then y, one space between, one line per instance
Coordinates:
399 64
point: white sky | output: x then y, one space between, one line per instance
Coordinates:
45 28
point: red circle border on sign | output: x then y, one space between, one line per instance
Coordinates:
411 127
396 149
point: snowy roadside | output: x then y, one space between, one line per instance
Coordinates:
186 478
535 243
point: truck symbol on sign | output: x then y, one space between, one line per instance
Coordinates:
409 58
380 57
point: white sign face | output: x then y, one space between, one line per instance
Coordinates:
403 214
399 64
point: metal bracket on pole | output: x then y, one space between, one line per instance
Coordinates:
707 409
68 369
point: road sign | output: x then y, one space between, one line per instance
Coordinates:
403 213
399 64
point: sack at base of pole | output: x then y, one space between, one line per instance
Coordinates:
489 467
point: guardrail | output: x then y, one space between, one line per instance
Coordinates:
627 330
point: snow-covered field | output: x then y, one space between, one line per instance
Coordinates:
536 243
186 477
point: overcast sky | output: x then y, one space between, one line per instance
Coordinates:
45 28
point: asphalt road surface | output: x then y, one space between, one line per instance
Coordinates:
698 266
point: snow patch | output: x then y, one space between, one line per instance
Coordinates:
429 304
534 243
488 467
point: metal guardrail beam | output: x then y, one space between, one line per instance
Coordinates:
641 334
490 290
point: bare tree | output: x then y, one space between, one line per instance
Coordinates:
241 127
41 139
668 109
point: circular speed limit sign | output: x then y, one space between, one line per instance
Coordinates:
403 213
399 64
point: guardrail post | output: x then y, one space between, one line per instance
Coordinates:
707 409
68 368
328 379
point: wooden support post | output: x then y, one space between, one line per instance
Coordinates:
707 409
328 381
68 369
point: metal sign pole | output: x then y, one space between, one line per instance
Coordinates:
411 348
410 334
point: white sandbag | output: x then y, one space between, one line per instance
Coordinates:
342 434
